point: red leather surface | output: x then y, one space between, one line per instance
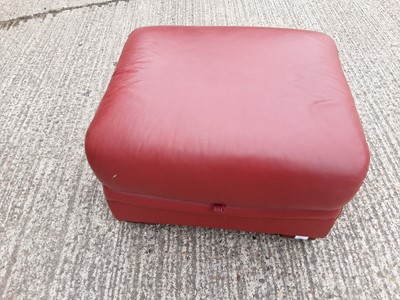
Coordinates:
248 117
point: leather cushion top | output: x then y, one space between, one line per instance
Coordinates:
256 117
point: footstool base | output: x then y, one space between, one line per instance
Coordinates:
148 209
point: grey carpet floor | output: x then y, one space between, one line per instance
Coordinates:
58 240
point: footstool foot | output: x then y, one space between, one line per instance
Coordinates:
298 237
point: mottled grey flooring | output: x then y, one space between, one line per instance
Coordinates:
58 240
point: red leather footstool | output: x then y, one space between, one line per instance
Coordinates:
230 127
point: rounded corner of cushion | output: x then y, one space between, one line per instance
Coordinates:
140 29
353 182
143 29
361 165
91 133
365 161
90 149
88 139
135 33
326 36
95 146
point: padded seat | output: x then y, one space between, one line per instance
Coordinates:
231 127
